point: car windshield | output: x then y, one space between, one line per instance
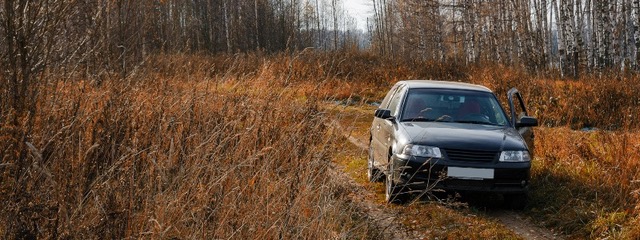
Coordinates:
448 105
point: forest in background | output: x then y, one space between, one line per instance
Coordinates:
568 36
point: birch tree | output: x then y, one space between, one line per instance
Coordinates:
569 35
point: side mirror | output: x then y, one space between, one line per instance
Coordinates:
527 121
383 113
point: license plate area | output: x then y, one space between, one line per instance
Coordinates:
470 173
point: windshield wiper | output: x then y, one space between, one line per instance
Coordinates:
421 119
444 118
478 122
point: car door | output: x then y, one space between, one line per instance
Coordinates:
519 110
382 129
377 138
388 126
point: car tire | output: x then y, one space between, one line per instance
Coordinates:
393 192
373 174
517 201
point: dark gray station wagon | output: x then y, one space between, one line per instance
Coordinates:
452 136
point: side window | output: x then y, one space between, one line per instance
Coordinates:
516 105
520 112
395 101
385 102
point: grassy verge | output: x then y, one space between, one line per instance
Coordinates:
585 183
174 155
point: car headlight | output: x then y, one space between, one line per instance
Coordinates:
515 156
422 151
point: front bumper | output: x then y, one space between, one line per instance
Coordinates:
420 173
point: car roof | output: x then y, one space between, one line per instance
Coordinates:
443 85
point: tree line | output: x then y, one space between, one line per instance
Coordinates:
97 38
571 36
112 36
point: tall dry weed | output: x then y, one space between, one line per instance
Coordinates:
586 182
190 154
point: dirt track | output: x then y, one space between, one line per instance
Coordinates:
521 226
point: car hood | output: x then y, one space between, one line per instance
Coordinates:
463 136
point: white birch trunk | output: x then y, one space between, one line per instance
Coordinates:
560 37
226 26
636 7
605 34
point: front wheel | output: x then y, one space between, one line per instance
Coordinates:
393 192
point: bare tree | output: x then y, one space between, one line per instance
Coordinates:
570 35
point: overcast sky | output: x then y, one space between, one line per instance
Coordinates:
360 10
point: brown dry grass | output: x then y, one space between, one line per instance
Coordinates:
180 150
587 182
234 147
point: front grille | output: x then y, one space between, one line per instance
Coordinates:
471 155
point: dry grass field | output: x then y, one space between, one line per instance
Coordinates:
179 150
200 147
